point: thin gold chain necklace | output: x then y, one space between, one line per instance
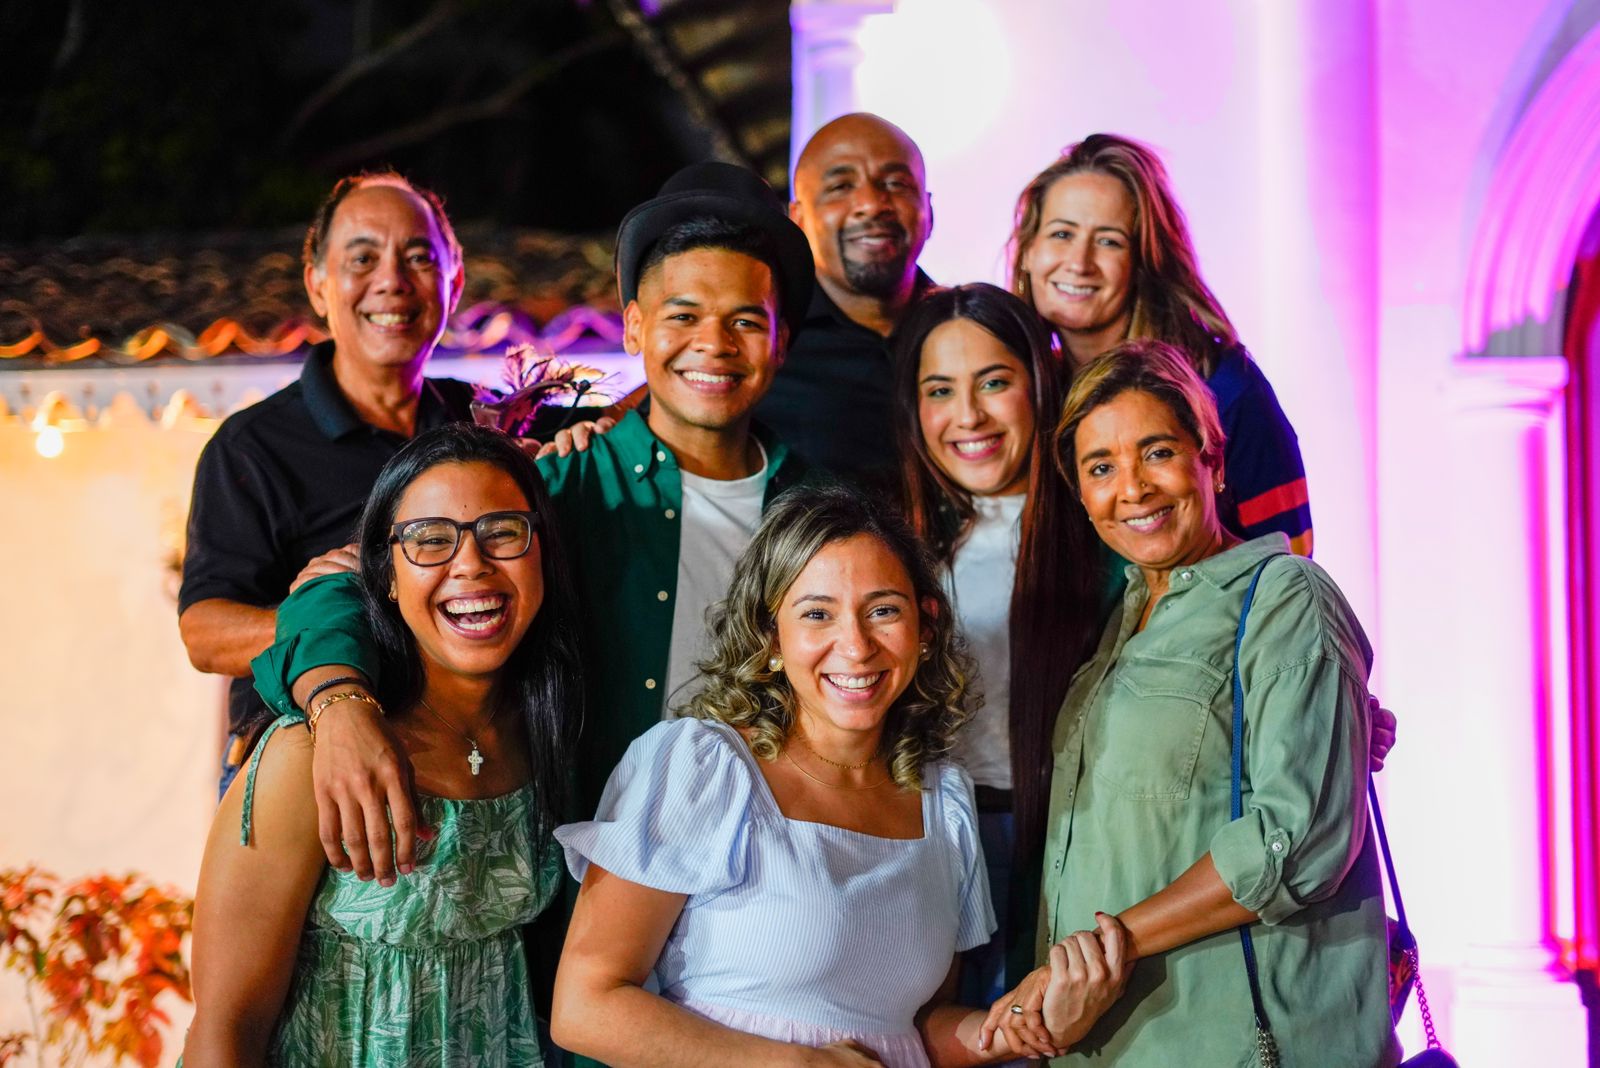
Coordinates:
833 785
474 758
801 738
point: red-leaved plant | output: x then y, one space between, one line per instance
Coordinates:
95 957
533 377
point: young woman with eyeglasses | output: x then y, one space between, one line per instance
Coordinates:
466 590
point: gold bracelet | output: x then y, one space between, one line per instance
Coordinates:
334 698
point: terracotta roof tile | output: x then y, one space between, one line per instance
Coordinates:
118 302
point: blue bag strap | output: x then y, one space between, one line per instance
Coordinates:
1236 806
1403 936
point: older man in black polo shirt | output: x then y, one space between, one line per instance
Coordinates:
281 484
860 195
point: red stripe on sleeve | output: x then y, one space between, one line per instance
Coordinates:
1276 501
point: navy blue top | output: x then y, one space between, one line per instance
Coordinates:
1266 478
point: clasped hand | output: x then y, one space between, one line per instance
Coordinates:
1061 1000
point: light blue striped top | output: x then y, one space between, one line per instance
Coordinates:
787 919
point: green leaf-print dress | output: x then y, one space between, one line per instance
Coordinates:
429 971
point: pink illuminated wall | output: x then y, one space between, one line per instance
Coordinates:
1389 197
992 91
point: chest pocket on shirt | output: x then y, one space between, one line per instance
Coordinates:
1148 734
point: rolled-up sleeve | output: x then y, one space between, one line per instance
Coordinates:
1304 817
323 622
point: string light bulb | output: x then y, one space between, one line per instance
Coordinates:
49 442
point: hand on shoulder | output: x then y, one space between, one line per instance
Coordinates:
576 438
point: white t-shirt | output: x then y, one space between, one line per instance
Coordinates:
979 583
719 519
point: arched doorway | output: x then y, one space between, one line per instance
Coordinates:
1533 327
1581 347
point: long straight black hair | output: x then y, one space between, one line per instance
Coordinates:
541 681
1056 597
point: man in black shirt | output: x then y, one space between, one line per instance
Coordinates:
279 487
860 195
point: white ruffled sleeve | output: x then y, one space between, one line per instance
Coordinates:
675 814
976 922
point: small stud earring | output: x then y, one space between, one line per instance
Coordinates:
1221 486
923 652
775 663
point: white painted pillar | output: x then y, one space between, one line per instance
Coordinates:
1318 178
1512 1002
826 54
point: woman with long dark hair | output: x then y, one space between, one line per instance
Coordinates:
466 591
977 389
977 395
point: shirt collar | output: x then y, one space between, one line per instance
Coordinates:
637 447
645 455
329 409
1225 567
823 308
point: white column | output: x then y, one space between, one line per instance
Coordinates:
1512 1003
826 55
1318 266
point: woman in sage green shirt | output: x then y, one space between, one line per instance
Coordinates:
1139 820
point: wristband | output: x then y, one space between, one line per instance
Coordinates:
340 680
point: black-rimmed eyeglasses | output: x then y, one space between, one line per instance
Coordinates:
434 540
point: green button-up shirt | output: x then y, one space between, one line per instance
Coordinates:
619 505
1141 791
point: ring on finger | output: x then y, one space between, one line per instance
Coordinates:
1016 1010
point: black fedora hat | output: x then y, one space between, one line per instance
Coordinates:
720 191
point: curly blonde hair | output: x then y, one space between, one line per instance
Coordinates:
741 690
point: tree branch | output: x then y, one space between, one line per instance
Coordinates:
665 63
440 15
445 118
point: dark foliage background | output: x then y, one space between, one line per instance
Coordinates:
119 118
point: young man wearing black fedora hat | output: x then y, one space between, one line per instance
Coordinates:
713 277
861 198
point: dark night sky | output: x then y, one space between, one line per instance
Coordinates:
195 117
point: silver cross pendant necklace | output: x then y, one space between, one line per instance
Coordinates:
475 757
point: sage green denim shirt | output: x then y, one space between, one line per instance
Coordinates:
619 505
1141 791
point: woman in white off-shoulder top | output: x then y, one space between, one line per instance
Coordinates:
787 876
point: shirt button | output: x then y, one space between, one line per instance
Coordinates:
1058 864
1186 575
671 514
661 595
638 469
1277 847
649 684
661 457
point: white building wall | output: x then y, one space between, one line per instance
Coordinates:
1335 160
